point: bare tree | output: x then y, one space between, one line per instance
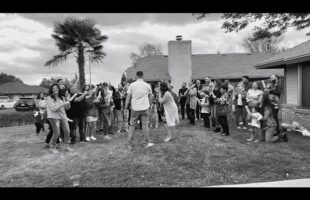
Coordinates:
266 45
146 49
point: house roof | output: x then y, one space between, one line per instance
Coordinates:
154 67
218 66
20 88
297 54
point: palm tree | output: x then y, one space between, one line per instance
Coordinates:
78 37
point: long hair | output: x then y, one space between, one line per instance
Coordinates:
163 87
50 91
266 102
39 96
218 83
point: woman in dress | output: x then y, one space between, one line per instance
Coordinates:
171 110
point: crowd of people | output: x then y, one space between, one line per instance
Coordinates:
255 104
138 105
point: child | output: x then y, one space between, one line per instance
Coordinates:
255 117
38 120
91 114
223 103
239 99
205 109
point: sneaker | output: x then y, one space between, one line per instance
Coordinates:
151 126
249 140
93 138
118 131
238 127
244 128
60 140
46 146
149 144
156 126
167 139
107 137
126 130
256 141
87 139
129 147
223 134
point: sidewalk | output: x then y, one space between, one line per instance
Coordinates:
286 183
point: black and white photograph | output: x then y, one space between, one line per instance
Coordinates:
156 100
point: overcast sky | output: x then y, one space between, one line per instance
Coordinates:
26 43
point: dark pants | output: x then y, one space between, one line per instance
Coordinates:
50 133
78 122
182 104
275 116
224 123
198 108
206 119
190 114
38 127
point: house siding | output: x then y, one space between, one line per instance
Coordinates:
291 79
291 114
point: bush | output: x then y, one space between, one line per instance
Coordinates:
15 118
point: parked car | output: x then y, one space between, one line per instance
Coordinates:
25 103
6 102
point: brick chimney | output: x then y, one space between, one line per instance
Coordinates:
179 62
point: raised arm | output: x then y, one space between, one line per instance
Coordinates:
56 106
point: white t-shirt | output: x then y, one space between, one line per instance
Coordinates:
139 91
255 119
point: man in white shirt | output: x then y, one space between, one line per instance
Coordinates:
139 95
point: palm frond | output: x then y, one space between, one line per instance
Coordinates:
57 59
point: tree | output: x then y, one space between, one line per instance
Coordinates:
267 45
46 83
274 24
5 78
78 37
146 49
123 79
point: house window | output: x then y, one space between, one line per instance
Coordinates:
305 97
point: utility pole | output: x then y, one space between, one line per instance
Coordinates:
89 71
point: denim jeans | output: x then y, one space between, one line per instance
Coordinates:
56 125
105 117
241 112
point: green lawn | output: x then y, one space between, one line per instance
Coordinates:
196 158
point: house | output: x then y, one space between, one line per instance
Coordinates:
180 65
296 64
15 90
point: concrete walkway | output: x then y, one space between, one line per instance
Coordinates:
286 183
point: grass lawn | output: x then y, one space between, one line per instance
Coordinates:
196 158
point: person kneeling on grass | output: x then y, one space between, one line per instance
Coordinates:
269 123
57 116
171 110
255 117
223 103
